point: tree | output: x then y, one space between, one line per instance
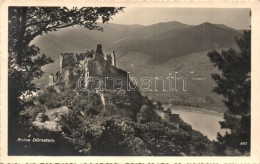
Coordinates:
234 83
159 105
26 23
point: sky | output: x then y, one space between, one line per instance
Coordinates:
235 18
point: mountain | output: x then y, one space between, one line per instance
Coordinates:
165 45
79 39
161 41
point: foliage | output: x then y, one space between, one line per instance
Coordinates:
96 133
89 103
99 135
85 130
200 144
162 140
131 101
30 113
159 105
146 114
28 131
26 23
93 133
234 84
115 135
50 98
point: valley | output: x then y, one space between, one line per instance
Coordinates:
152 51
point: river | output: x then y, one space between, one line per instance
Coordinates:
205 121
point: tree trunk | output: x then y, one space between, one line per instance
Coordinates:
20 47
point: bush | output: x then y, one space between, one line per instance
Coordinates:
30 113
146 115
89 103
51 99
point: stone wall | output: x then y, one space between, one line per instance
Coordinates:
169 117
51 80
96 64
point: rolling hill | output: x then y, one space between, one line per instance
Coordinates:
164 45
161 41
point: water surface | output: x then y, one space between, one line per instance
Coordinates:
205 121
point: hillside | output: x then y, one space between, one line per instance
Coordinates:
104 122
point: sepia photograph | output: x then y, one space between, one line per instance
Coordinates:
129 81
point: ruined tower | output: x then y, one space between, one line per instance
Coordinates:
66 59
99 49
105 56
113 58
51 79
86 79
61 62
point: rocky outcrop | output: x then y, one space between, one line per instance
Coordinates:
49 125
57 113
41 117
50 119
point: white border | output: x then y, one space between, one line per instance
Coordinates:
255 110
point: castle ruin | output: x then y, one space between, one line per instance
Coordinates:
83 61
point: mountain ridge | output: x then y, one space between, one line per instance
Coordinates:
123 38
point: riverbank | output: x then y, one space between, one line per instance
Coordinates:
203 120
193 109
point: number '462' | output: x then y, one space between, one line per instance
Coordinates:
243 143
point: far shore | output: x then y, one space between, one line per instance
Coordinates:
193 109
